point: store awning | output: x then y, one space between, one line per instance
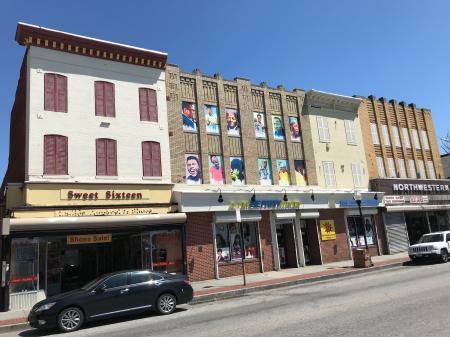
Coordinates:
108 222
230 216
416 208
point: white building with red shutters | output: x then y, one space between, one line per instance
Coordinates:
88 185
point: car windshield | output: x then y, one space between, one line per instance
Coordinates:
92 283
431 238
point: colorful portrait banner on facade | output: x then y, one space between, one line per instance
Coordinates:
189 114
278 129
259 124
301 178
283 172
212 119
294 129
237 171
233 122
193 169
216 174
265 176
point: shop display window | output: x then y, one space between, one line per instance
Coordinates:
24 265
231 247
356 229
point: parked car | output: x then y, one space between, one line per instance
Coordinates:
431 246
110 295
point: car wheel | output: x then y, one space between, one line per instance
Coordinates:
444 256
70 319
166 304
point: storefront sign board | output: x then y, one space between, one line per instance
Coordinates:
418 199
103 211
350 203
265 204
394 199
327 230
87 239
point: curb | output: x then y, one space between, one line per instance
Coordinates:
13 327
223 295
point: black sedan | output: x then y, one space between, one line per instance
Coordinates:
111 295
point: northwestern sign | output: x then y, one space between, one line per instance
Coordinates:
434 188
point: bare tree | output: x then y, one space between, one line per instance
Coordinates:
445 143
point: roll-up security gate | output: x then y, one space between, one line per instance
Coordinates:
396 232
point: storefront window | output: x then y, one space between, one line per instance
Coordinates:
229 241
24 265
162 251
356 229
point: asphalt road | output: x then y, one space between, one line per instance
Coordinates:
404 301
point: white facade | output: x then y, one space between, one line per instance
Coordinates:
82 127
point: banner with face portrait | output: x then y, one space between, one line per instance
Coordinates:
233 122
278 129
237 171
212 119
216 175
294 129
300 173
283 172
259 124
264 171
193 169
189 115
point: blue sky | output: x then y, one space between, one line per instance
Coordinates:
395 49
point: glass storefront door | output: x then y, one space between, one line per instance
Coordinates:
305 241
438 221
165 251
417 225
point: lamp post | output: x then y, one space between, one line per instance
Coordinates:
358 199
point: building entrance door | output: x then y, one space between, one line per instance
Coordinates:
281 245
287 247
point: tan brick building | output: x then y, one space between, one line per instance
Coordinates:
404 162
238 163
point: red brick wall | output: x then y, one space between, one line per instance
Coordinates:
335 250
199 236
266 241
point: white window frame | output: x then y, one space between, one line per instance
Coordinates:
387 138
374 132
350 131
412 168
380 167
431 171
357 174
402 168
426 143
422 173
322 127
329 173
416 139
392 171
406 139
396 136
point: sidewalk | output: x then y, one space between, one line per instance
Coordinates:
213 290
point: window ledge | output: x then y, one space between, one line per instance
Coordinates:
152 178
56 176
107 177
249 260
324 141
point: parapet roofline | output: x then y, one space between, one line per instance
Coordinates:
27 34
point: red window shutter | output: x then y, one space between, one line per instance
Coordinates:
61 93
109 100
152 105
99 99
49 154
111 161
147 159
143 104
101 157
156 159
49 92
61 155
